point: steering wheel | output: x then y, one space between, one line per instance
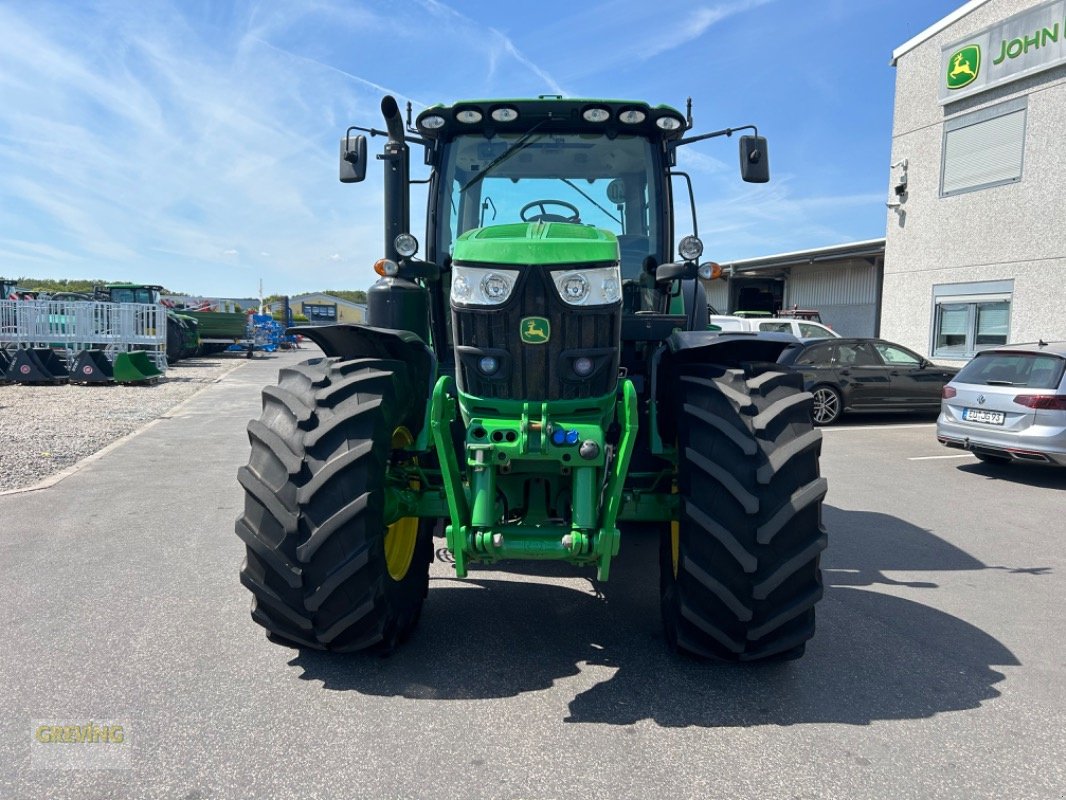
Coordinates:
546 216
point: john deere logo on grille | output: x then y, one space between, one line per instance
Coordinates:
963 66
535 330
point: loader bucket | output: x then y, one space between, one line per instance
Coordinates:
134 367
91 366
37 365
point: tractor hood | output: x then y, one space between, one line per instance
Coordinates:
536 243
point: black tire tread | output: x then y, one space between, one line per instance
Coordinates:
747 577
313 521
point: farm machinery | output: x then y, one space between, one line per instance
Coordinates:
541 383
183 338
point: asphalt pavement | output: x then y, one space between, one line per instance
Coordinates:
937 670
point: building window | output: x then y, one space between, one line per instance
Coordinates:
320 313
971 317
984 148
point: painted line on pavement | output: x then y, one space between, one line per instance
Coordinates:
879 427
932 458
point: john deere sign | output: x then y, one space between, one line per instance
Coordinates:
1028 42
964 66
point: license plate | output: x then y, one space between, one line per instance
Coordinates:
981 415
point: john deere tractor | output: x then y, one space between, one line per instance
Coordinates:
182 336
540 383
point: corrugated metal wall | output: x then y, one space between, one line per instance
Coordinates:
853 283
845 294
718 294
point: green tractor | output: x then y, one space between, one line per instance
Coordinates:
541 381
183 339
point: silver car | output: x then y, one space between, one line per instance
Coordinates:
1009 404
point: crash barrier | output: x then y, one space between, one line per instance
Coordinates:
70 327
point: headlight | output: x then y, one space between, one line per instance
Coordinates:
589 287
468 116
505 114
406 245
481 287
690 248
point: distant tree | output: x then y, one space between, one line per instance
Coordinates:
352 296
70 284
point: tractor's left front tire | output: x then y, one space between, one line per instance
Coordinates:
327 565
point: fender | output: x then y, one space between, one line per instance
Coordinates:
728 349
348 341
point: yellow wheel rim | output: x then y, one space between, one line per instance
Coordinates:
402 535
400 541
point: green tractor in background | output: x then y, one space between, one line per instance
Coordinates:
540 382
183 339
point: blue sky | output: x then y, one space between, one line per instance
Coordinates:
194 143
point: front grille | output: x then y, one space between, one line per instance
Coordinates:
537 371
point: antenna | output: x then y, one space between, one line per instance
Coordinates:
688 111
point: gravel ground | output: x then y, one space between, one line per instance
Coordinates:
45 429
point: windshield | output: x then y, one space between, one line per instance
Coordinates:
583 178
124 295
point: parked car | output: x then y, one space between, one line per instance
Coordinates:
1009 404
810 314
804 329
860 374
800 328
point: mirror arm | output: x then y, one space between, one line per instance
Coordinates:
376 132
712 135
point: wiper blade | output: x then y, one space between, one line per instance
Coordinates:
584 194
520 144
999 383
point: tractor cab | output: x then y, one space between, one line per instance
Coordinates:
128 293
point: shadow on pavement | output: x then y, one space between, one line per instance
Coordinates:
875 656
1042 477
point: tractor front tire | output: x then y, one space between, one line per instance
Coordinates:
739 569
327 569
175 338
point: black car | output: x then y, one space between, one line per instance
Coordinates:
866 375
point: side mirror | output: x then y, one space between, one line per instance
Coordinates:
353 159
754 159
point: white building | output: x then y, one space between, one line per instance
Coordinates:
975 251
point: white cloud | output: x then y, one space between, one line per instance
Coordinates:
694 26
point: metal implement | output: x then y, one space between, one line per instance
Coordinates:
70 327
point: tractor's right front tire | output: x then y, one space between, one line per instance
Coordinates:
326 567
739 569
